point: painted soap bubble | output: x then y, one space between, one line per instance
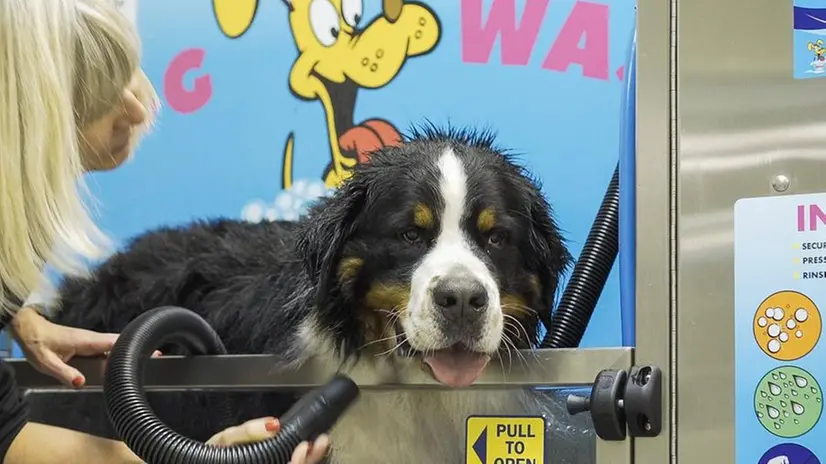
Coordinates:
788 402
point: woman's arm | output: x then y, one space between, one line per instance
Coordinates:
39 444
23 442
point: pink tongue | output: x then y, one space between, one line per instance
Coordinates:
456 366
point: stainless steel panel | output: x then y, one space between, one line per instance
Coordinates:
571 440
654 213
613 452
742 119
540 368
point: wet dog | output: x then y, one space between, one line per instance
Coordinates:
433 258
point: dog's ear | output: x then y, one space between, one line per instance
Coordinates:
326 229
549 257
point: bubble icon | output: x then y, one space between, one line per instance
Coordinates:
773 330
787 325
804 408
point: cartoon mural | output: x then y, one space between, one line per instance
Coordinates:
238 78
337 56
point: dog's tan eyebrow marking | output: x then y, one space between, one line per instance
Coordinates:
423 216
486 220
388 296
349 268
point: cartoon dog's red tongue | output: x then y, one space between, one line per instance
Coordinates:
368 137
457 366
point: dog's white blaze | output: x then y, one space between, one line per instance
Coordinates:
451 253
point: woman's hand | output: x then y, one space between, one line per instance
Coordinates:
48 346
267 427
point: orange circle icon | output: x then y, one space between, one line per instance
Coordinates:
787 325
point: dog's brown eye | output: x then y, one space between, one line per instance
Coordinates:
496 238
411 236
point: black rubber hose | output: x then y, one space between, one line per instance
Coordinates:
569 321
154 442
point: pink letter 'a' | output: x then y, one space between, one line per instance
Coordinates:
517 42
181 99
588 23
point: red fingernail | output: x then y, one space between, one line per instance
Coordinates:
271 426
77 381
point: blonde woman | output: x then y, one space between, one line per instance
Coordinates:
72 100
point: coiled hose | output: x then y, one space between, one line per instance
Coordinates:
591 271
154 442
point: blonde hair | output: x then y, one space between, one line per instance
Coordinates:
63 65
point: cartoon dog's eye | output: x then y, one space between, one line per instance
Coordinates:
352 11
324 21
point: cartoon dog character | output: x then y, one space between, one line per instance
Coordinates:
818 49
337 55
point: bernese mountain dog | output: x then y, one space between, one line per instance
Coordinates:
434 257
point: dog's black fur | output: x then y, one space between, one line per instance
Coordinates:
256 283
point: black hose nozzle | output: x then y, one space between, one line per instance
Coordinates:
317 411
154 442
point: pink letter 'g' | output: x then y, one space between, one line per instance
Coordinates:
180 98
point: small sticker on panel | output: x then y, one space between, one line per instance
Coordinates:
809 53
505 440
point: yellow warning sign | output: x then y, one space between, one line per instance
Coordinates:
505 440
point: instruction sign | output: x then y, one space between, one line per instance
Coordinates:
505 440
779 296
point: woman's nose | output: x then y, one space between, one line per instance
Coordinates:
134 110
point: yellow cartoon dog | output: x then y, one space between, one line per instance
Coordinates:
337 55
818 49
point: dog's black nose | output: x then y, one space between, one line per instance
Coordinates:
460 297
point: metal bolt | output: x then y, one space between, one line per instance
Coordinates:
780 183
